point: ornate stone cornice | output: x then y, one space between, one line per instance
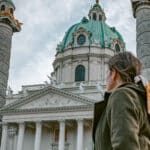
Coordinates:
49 110
77 56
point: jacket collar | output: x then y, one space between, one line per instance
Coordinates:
99 108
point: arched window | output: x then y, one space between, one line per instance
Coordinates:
100 17
94 16
2 7
11 11
80 73
117 48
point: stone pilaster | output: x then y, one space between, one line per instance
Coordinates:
61 135
37 143
80 129
141 11
21 136
4 136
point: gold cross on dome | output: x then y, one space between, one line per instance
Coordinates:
97 1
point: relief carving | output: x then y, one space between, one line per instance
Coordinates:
51 101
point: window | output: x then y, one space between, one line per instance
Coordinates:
81 39
2 7
80 73
94 16
11 11
117 48
100 17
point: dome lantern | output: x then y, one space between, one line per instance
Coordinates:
96 13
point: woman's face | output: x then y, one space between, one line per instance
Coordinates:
110 79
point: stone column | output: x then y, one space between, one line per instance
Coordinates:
61 135
80 134
141 11
21 136
4 136
37 143
15 142
5 46
8 25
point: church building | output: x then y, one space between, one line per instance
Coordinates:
58 115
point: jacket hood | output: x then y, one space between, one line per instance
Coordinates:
137 87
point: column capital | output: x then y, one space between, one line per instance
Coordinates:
137 3
62 121
80 119
38 122
21 122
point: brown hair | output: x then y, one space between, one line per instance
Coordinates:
126 64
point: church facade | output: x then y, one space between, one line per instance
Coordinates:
58 115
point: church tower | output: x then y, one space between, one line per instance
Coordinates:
8 25
141 11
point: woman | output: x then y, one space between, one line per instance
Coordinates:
121 120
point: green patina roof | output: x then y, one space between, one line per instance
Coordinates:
99 30
10 1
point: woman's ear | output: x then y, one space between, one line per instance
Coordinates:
114 74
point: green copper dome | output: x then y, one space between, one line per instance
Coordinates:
96 29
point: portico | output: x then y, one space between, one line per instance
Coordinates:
68 130
50 119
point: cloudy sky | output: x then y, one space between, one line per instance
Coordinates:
44 25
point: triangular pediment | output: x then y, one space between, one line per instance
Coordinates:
52 100
49 97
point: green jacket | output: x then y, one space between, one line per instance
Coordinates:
121 120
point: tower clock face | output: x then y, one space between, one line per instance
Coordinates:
81 39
